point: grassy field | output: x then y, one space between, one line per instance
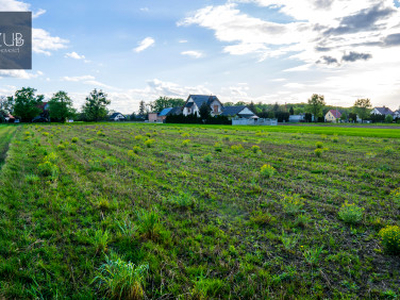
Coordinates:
163 212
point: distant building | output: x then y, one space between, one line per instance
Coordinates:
333 116
162 116
296 118
194 102
383 111
117 117
396 114
238 112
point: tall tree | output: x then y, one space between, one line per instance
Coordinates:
26 103
142 108
362 107
205 111
165 102
95 107
60 107
315 106
291 111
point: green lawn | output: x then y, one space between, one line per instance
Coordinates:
137 211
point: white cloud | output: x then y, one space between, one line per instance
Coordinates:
183 41
74 55
78 78
13 5
144 44
194 54
38 13
44 43
19 74
146 9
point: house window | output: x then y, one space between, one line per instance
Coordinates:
215 108
189 111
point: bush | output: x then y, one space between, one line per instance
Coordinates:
390 239
255 148
319 145
351 213
267 171
185 143
237 148
122 280
318 152
74 140
148 143
292 204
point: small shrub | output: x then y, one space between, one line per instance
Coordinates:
185 143
390 239
148 143
292 204
45 133
48 169
318 152
136 149
267 171
255 149
208 157
149 224
138 137
261 218
74 140
52 157
237 148
89 141
351 213
122 280
182 200
100 133
319 145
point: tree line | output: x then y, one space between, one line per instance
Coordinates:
25 105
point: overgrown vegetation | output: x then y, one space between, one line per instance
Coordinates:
96 211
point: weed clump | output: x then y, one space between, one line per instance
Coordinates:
351 213
292 204
138 137
237 148
255 149
319 145
122 280
185 143
74 140
149 224
100 133
148 143
267 171
48 169
89 141
207 158
218 147
261 218
182 200
318 152
390 239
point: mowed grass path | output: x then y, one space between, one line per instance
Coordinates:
6 134
193 214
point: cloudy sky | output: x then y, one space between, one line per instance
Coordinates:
240 50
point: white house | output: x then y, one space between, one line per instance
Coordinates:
396 114
117 117
333 116
382 111
238 112
194 102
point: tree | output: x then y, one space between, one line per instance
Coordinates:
291 111
165 102
142 109
26 103
95 107
205 111
343 117
60 107
362 107
389 119
315 105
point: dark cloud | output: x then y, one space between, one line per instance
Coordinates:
354 56
327 60
323 4
364 20
392 40
322 49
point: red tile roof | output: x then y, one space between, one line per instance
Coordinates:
335 113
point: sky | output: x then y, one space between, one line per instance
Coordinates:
240 50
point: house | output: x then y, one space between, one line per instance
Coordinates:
296 118
162 116
9 118
396 114
117 117
44 109
238 112
333 116
383 111
194 102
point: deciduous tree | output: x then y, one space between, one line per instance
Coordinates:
362 107
316 105
95 107
60 106
26 103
